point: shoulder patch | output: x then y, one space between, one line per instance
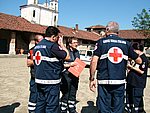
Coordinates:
95 46
143 66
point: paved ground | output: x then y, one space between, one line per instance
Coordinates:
14 78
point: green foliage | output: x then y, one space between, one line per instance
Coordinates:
142 21
142 24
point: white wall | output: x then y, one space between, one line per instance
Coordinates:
43 16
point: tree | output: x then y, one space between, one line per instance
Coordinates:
142 24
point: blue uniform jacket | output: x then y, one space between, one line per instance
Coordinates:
136 79
47 66
113 53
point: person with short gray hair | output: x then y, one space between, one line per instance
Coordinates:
110 59
112 27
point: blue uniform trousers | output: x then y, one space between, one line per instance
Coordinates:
48 98
110 98
69 88
33 95
134 100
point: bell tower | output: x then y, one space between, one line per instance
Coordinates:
44 14
54 5
32 2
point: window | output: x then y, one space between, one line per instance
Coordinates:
33 13
55 19
89 53
82 52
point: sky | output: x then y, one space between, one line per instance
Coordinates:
87 13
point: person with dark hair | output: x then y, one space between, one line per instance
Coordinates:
138 46
70 82
110 59
33 88
136 82
49 55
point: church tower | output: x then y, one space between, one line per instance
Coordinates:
43 14
54 5
32 2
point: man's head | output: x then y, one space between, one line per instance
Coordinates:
38 38
73 43
112 27
52 33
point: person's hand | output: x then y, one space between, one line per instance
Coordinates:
60 41
129 66
73 64
92 85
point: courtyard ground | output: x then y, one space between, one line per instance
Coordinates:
14 87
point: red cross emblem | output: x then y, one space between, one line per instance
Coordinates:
38 57
115 55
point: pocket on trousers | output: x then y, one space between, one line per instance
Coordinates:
55 90
138 92
53 97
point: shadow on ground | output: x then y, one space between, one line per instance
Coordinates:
90 108
9 108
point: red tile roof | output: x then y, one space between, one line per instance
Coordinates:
10 22
69 32
96 27
131 34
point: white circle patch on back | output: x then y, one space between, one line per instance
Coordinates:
115 55
38 58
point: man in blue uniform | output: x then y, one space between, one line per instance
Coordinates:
70 82
33 88
49 55
110 59
136 82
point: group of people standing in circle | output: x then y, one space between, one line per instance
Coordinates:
50 60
